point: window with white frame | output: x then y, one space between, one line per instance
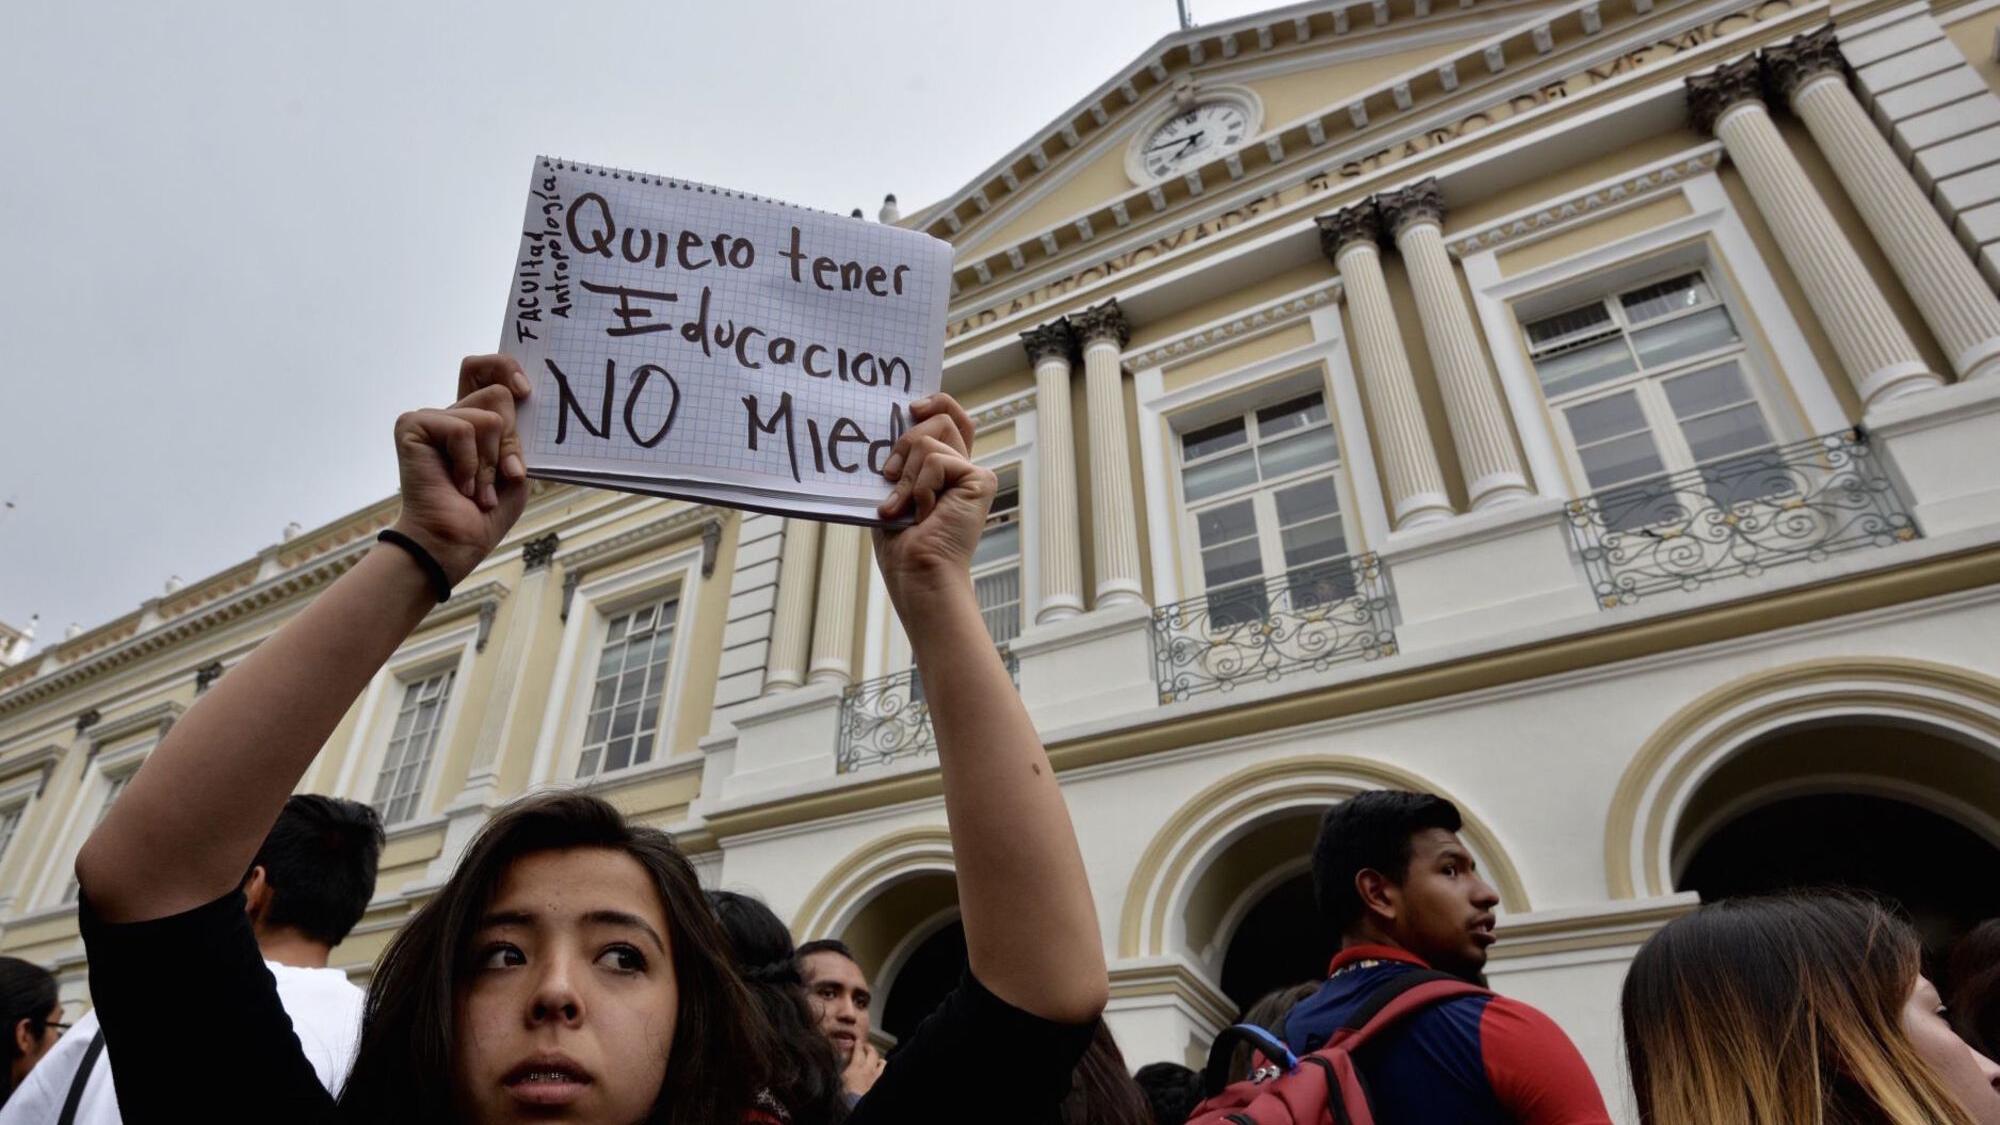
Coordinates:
625 703
117 784
996 562
1263 498
413 741
1649 381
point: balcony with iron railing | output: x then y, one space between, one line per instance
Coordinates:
1307 619
1738 518
887 719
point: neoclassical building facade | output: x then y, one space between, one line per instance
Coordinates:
1587 411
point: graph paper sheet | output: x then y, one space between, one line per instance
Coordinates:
689 341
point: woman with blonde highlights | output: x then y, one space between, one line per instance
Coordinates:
1796 1010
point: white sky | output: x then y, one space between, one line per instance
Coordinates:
240 239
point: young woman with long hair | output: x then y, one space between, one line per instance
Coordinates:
570 968
1796 1010
802 1070
1102 1091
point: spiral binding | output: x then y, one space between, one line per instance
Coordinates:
562 164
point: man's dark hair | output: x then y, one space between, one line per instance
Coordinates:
1370 832
1171 1089
320 863
826 945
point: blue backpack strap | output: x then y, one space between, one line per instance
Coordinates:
1215 1075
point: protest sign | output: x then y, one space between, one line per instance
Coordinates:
688 341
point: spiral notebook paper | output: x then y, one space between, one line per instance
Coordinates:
688 341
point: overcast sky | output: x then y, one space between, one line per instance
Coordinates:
239 239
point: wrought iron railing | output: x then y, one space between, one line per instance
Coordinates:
1738 518
1308 619
887 718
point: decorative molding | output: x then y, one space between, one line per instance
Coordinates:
88 719
1048 341
1359 223
1597 199
1285 311
488 610
159 716
1712 92
1417 203
699 517
538 552
1101 322
42 759
263 595
1809 55
998 411
207 674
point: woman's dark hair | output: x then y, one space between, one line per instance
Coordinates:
407 1029
27 992
1787 1008
1101 1090
1269 1013
1972 987
803 1069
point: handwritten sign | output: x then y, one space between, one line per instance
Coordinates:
694 342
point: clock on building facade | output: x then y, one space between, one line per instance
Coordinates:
1199 128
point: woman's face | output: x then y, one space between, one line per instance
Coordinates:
569 1001
30 1047
1971 1077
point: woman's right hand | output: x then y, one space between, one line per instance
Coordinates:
463 481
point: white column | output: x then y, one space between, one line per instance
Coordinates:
833 625
1479 425
1114 534
1055 471
791 624
1949 291
1879 356
1416 485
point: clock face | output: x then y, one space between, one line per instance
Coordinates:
1193 137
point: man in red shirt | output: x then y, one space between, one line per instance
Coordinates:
1394 880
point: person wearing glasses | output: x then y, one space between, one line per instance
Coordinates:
306 888
34 1020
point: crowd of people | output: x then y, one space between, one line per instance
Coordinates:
572 968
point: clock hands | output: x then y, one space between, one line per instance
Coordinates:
1183 143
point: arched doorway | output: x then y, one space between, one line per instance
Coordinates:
927 972
1900 810
1280 942
1251 914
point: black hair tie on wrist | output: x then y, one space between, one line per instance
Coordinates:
439 582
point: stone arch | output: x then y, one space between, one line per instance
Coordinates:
832 905
1213 820
1655 792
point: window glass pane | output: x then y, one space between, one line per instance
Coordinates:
1690 335
1711 389
626 700
1233 471
1321 584
1233 562
1731 431
1231 606
1589 319
1212 439
1273 421
1300 451
1313 541
997 543
1620 460
999 595
1609 417
1306 500
1228 522
1661 298
1586 366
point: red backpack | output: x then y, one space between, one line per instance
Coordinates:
1323 1086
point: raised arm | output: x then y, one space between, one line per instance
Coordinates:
186 828
1030 923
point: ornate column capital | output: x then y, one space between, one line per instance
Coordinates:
540 551
1050 340
1105 321
1808 55
1727 85
206 675
1359 223
1418 203
87 720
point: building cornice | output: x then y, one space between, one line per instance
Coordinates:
993 413
483 599
159 718
1489 65
42 758
1602 198
708 520
1237 327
